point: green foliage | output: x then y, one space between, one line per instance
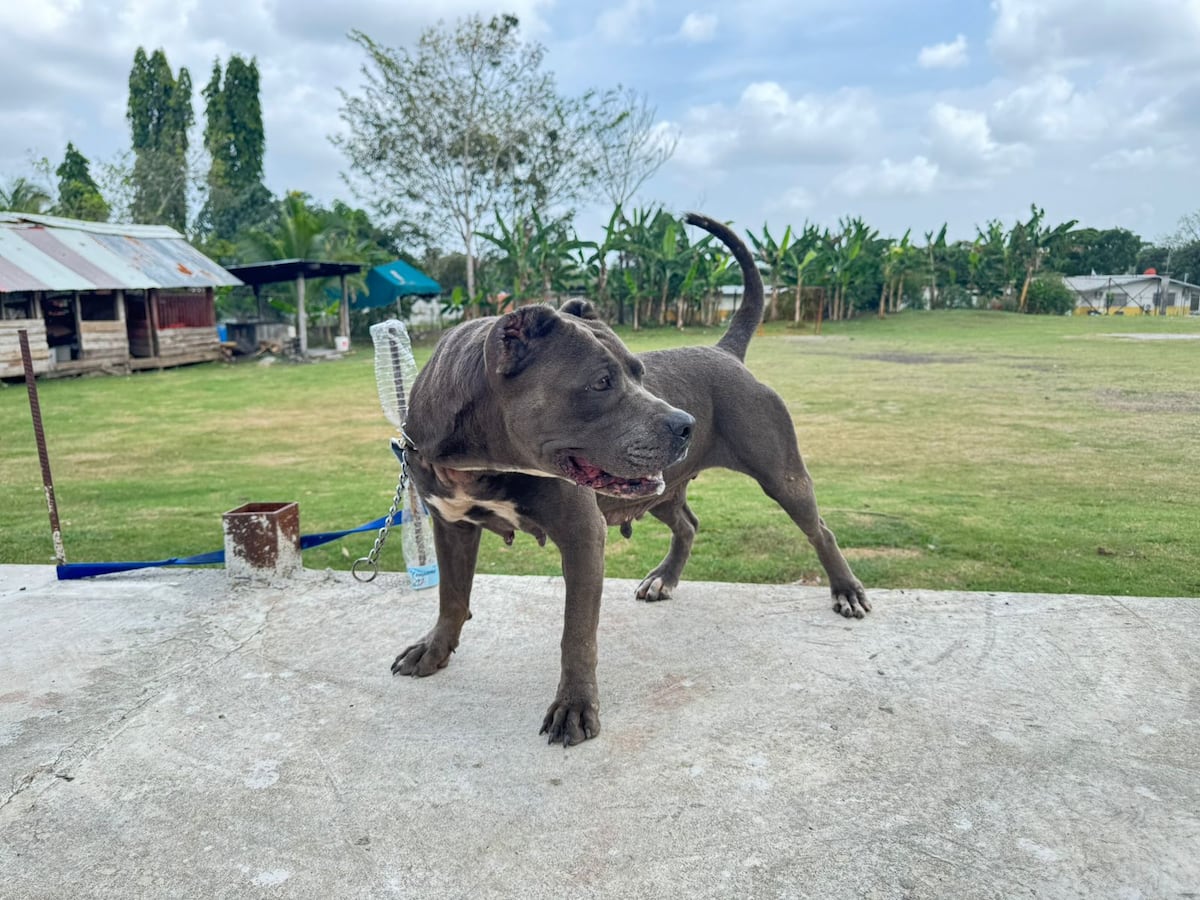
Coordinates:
1049 296
233 136
23 196
159 114
1112 251
78 195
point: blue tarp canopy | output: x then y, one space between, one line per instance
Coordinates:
391 281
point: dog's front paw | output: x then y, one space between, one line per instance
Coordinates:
424 657
571 720
850 600
653 588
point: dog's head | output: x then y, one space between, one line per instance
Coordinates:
573 400
550 392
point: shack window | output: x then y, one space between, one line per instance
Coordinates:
16 306
101 307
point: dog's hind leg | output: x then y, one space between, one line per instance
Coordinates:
457 547
773 460
678 516
792 489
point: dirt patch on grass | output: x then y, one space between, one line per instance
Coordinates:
916 359
1171 402
880 553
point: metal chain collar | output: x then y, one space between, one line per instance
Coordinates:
372 558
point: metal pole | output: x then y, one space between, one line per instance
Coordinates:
60 554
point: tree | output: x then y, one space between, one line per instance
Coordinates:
23 196
78 195
935 251
1029 244
464 124
1112 251
990 262
629 147
234 138
804 253
893 263
771 254
159 114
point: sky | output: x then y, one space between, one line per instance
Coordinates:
907 114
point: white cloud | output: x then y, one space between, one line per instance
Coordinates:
963 140
768 126
698 28
1054 33
916 176
623 24
1050 108
944 56
1148 159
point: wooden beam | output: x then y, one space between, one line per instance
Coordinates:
301 316
344 310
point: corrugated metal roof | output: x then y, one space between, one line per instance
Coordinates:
1100 282
47 253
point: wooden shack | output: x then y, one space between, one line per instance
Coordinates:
100 297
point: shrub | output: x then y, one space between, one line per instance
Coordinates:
1049 296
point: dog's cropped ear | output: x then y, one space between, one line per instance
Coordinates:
580 308
514 337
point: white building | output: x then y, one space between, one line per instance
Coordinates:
1147 294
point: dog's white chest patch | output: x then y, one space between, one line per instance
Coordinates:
462 506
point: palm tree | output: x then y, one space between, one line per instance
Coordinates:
23 196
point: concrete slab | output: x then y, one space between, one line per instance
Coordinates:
166 734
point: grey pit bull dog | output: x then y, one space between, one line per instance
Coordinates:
543 421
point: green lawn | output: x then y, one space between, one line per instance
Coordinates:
974 450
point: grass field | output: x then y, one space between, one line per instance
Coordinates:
975 450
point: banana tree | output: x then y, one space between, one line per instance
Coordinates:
771 254
1032 241
935 250
804 252
894 261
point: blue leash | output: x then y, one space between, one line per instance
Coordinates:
71 571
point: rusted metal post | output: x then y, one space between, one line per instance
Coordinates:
39 436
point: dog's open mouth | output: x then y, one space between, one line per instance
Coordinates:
581 471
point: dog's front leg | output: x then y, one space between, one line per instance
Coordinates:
579 532
457 545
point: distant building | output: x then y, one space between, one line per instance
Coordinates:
1149 294
100 297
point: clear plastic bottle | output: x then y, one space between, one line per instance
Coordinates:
395 371
416 534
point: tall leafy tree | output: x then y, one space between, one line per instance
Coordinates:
159 114
463 124
234 138
78 195
23 195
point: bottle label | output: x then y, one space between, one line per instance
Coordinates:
423 576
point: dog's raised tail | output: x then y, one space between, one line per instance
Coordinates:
744 322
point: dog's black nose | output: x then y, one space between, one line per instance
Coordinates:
681 424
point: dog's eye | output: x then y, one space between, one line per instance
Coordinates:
603 383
